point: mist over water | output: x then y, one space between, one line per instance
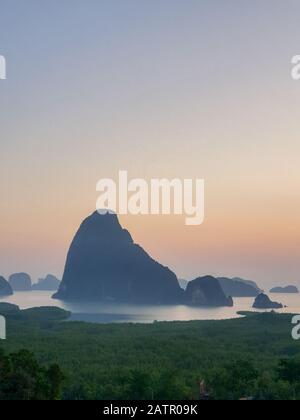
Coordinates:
110 313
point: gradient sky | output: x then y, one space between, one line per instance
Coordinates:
162 88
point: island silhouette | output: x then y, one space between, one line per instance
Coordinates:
104 264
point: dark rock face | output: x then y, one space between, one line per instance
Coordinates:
287 289
50 283
264 302
20 282
5 288
105 264
238 288
206 291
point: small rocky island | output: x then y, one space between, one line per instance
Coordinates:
264 302
287 289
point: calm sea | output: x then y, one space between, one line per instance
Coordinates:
107 313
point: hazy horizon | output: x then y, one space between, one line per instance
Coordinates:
162 89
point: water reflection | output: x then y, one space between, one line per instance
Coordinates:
106 313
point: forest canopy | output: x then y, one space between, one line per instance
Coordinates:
252 357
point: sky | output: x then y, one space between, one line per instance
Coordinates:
172 88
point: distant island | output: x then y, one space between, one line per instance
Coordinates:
249 282
21 282
139 368
287 289
5 288
239 288
233 287
104 264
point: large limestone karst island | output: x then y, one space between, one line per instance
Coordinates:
50 283
104 264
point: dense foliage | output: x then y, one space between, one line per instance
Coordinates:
253 357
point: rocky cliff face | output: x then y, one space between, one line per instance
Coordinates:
20 282
264 302
105 264
206 291
5 288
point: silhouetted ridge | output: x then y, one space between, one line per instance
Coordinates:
103 264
